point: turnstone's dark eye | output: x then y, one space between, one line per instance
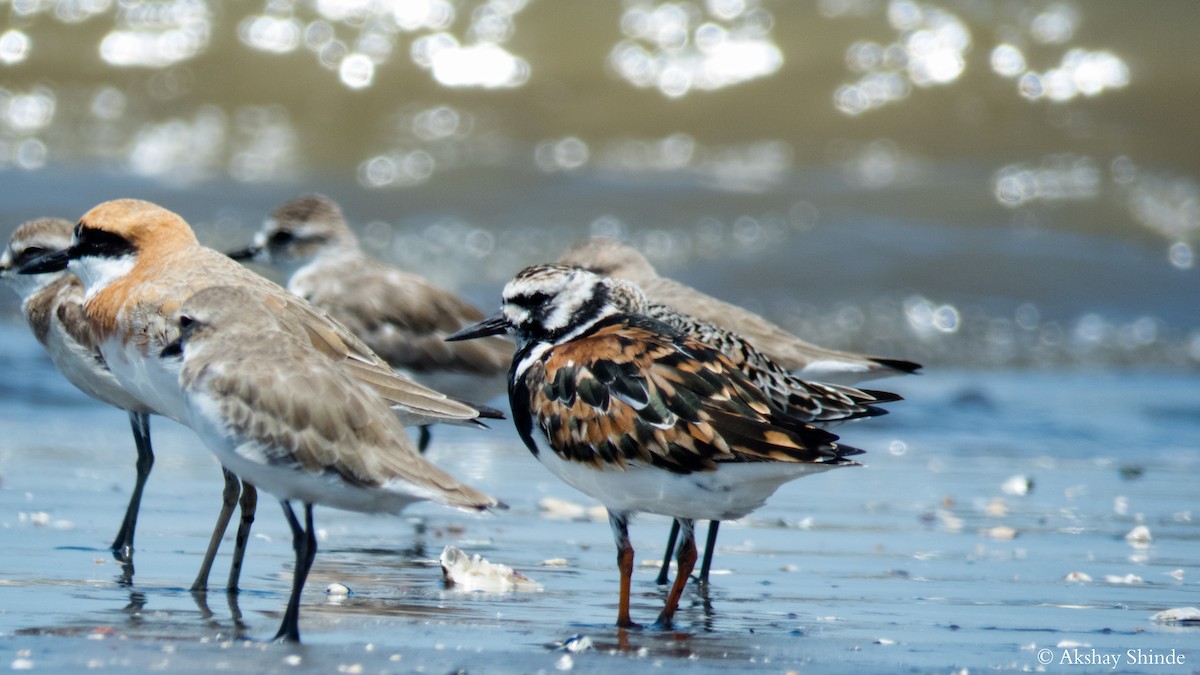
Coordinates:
186 321
531 301
281 238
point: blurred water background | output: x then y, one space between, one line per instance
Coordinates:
979 183
1007 192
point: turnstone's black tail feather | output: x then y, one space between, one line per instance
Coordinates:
878 396
485 412
899 365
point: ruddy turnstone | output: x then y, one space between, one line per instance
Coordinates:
281 415
139 262
53 307
609 257
403 317
641 417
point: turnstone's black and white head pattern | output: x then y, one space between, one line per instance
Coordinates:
642 417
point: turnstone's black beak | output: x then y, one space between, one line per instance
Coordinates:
495 324
51 262
248 253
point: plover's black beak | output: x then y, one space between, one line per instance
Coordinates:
173 349
248 253
51 262
495 324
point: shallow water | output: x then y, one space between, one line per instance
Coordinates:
1027 230
905 564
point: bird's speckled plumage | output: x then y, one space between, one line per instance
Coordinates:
630 390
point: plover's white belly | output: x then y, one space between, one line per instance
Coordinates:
730 492
285 478
150 379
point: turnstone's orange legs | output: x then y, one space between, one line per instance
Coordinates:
248 505
620 529
304 543
686 561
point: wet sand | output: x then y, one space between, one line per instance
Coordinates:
927 560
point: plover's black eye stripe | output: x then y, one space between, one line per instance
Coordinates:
101 244
281 238
28 254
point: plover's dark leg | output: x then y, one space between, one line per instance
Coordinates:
304 542
248 504
664 572
229 498
710 545
122 546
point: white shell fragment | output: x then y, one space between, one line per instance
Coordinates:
1189 615
1001 533
1017 485
473 573
1118 579
1139 537
576 643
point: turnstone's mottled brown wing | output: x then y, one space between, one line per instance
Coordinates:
633 390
